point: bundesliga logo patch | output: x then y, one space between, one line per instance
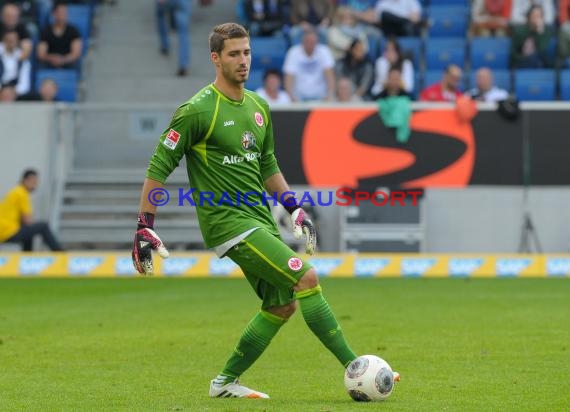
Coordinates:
172 139
295 264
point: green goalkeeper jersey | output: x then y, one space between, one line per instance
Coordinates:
229 151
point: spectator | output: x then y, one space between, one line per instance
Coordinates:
358 68
519 11
490 17
271 90
530 42
394 106
398 17
345 91
60 44
394 84
16 224
8 94
363 12
485 90
11 21
265 17
14 72
564 31
309 70
343 32
392 57
447 90
310 15
181 10
48 92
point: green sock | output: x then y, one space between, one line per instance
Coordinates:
323 324
254 339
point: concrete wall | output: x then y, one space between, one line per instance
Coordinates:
27 136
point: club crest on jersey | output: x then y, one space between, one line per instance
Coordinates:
295 264
247 140
172 139
258 119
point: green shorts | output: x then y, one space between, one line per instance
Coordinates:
271 267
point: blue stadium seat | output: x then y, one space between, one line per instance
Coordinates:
502 79
268 52
535 84
430 77
255 80
490 52
565 84
448 21
440 52
412 46
66 80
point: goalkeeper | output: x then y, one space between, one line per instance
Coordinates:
225 133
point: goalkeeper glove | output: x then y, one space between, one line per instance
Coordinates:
146 240
302 224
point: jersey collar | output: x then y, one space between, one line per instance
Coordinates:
226 98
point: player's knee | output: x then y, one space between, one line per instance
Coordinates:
308 281
285 311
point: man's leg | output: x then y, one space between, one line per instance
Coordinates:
26 234
320 318
161 15
182 15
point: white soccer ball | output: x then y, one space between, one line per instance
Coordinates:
369 378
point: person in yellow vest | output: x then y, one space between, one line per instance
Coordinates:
16 225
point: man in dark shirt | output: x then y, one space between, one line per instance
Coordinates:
10 20
60 44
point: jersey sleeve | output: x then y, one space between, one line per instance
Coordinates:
268 161
171 146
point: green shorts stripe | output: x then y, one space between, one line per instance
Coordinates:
271 267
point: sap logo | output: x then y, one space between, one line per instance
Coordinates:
416 267
464 267
229 123
83 265
34 265
369 267
324 266
558 266
511 267
223 266
124 266
177 266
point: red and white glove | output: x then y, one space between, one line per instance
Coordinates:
302 225
146 240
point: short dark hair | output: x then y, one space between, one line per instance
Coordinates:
225 31
29 172
271 72
11 31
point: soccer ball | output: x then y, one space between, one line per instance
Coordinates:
369 378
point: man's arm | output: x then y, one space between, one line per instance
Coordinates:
290 86
329 74
146 206
300 220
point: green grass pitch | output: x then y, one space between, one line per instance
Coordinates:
154 344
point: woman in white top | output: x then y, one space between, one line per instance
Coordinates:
392 57
271 90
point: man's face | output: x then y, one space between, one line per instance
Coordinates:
484 80
310 42
235 60
10 16
10 41
394 82
453 78
535 18
48 90
7 94
31 183
60 15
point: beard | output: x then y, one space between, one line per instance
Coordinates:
232 76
